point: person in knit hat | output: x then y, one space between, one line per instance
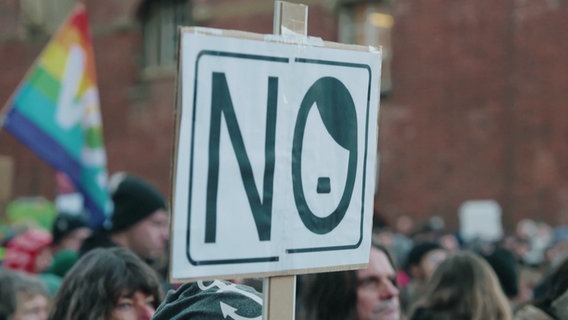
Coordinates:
140 220
69 230
215 299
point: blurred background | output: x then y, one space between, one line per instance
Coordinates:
473 95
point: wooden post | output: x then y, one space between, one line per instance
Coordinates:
290 19
279 298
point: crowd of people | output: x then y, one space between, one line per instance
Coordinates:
119 271
428 273
73 271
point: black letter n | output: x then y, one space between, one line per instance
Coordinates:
221 104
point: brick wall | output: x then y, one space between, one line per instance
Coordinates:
477 109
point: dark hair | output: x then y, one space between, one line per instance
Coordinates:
7 296
332 295
505 266
91 289
419 251
557 285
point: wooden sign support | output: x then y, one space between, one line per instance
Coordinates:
290 19
279 298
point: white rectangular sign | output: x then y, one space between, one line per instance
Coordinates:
275 160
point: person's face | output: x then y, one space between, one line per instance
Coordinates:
377 294
139 306
32 308
149 237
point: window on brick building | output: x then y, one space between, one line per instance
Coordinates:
369 22
160 21
43 17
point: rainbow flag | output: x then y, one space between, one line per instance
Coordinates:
55 112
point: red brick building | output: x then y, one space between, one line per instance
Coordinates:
473 106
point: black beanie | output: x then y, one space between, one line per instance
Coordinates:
205 300
65 223
134 200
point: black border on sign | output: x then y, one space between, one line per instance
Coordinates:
201 54
293 250
358 243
